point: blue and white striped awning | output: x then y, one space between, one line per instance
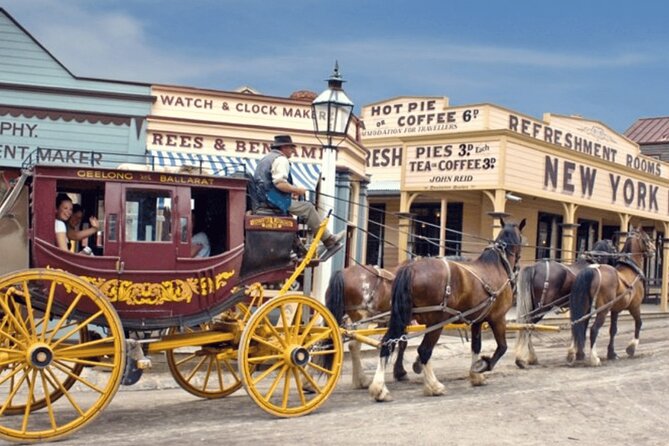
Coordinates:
304 174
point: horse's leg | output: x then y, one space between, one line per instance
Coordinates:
378 389
635 311
594 330
431 385
358 377
476 377
398 370
571 352
487 363
613 329
523 342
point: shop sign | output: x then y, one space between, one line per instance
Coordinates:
222 145
453 165
587 138
413 116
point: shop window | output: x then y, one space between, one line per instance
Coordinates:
586 235
454 229
375 234
549 236
424 238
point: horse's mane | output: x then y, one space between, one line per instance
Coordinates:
507 237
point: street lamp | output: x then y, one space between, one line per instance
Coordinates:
331 112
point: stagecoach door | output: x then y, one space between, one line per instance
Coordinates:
142 228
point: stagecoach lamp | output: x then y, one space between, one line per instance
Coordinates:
331 110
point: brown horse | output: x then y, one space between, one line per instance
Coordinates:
599 289
362 292
546 285
438 291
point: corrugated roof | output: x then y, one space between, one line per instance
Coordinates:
649 131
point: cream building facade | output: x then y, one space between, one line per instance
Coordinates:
442 176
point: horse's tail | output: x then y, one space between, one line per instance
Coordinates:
525 298
580 304
402 304
334 301
334 296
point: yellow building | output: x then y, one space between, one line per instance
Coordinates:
442 176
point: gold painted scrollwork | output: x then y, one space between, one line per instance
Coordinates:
159 293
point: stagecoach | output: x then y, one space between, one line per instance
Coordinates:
75 327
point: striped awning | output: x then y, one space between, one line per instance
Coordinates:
304 174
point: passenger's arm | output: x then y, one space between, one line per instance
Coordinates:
61 241
195 248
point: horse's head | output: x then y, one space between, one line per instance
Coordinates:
639 243
510 240
604 251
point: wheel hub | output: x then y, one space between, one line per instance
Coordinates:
40 355
299 356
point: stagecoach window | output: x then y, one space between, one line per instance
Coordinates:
183 229
112 233
148 216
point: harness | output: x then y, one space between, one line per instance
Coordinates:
381 276
640 276
461 316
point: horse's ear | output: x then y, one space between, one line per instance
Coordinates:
501 220
521 225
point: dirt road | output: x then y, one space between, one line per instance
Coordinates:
622 402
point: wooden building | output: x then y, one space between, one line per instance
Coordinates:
442 176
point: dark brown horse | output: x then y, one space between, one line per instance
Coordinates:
362 292
438 291
546 285
599 289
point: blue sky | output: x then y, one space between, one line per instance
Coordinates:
603 60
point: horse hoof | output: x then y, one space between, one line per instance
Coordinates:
417 367
379 394
476 379
481 366
362 383
401 376
571 358
438 390
521 364
630 350
595 361
612 356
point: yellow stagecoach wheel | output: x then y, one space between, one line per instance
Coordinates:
290 355
69 379
43 350
208 371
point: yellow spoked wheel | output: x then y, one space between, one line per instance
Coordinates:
47 359
290 355
208 371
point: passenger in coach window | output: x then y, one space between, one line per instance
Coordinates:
74 230
68 230
200 246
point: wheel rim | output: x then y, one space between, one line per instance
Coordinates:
45 354
207 371
281 361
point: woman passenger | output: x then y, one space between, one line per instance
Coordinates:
64 209
74 231
63 214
